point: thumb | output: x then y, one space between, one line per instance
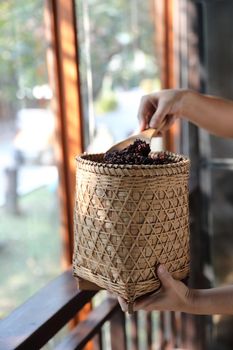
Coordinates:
143 124
164 276
158 117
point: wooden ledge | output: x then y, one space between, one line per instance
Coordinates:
44 314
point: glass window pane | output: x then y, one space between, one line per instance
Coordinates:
29 220
220 147
118 66
222 223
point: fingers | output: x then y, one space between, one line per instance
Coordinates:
165 277
140 304
146 110
157 119
157 300
144 124
147 302
154 112
159 110
123 304
170 119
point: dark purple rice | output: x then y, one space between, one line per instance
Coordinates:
135 154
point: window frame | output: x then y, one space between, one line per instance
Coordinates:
63 60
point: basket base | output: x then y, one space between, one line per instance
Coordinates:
86 285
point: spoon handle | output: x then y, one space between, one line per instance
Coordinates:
145 135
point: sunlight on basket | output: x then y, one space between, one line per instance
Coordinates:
128 219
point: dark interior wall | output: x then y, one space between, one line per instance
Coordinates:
218 67
218 36
217 153
218 60
206 64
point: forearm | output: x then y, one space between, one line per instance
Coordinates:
211 113
212 301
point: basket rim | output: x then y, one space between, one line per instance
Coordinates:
184 161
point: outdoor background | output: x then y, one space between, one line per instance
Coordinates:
117 66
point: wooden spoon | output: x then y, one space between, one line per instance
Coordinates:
145 135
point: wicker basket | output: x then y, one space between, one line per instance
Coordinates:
128 219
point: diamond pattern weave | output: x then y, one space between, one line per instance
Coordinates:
127 220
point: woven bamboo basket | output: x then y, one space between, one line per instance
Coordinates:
127 220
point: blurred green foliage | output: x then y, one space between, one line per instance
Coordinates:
120 47
106 103
120 35
22 47
30 249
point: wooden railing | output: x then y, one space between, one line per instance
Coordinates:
34 323
37 321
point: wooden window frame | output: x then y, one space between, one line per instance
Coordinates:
63 62
164 42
